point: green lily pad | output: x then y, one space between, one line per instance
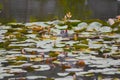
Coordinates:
53 54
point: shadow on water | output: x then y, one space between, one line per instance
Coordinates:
43 10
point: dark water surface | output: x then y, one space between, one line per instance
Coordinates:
41 10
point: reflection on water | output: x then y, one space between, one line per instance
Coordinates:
41 10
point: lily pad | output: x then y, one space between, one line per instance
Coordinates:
61 27
63 74
3 31
105 29
43 68
65 78
73 69
32 77
94 26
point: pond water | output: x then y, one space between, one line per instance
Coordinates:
42 10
